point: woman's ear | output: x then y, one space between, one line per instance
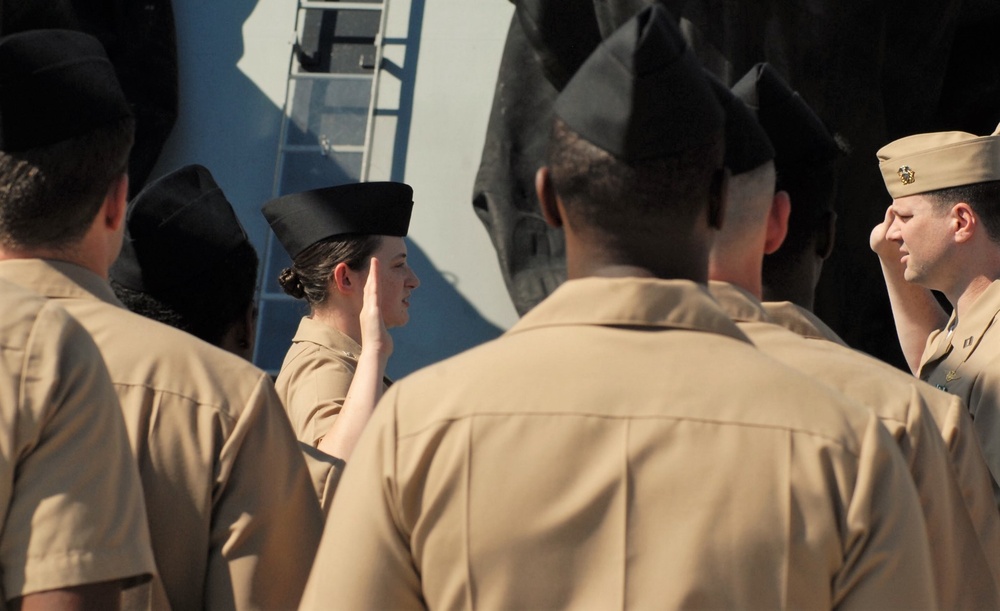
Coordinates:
343 279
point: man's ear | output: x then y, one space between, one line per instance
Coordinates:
777 222
826 235
343 279
547 197
718 189
963 221
115 203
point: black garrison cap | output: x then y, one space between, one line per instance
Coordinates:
641 94
747 146
799 136
55 85
179 231
300 220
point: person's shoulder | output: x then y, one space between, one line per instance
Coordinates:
678 374
144 352
21 308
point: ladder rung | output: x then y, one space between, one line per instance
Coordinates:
315 148
342 6
328 76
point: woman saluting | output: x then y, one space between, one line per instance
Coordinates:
349 264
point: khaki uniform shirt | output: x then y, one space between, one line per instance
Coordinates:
966 363
313 383
315 377
801 321
962 571
70 498
621 446
953 421
232 514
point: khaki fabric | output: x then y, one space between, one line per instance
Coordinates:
232 514
966 363
70 497
954 423
621 446
964 567
315 377
928 162
800 321
324 472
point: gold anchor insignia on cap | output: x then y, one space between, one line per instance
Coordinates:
951 375
906 175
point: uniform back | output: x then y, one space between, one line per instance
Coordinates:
71 503
232 513
621 446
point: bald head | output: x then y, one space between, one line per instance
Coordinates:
755 225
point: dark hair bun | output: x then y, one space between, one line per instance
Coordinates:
291 283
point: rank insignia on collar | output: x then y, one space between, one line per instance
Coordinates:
952 375
906 175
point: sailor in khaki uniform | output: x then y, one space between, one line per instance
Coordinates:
590 458
756 222
186 262
805 154
942 233
334 372
72 512
233 518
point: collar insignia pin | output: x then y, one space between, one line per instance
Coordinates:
952 375
967 342
906 175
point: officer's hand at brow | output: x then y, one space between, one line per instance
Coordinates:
879 243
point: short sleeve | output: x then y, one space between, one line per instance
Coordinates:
76 513
267 520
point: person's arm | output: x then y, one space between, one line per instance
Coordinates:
364 560
914 308
366 386
266 520
887 560
74 512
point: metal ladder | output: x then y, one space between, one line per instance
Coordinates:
270 298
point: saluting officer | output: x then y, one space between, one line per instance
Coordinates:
624 445
805 152
233 517
942 233
965 568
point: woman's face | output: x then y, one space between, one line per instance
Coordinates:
397 281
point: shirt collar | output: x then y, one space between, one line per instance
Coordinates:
58 279
630 302
315 332
737 303
800 321
972 324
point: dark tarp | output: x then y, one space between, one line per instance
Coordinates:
139 38
873 71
